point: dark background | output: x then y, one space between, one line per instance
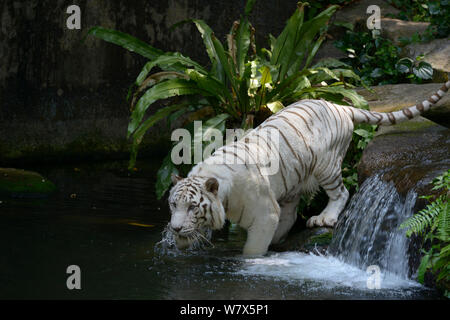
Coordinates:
61 98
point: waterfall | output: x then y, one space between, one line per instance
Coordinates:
367 232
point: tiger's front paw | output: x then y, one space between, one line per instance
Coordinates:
321 220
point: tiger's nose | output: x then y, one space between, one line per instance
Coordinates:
176 229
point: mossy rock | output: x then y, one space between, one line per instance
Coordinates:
18 183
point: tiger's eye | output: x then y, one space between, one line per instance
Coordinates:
174 204
191 207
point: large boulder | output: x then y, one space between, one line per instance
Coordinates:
356 13
395 97
410 154
395 29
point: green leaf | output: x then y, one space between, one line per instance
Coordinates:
210 84
162 90
423 71
284 47
207 36
286 86
404 65
314 50
357 100
330 63
344 24
203 133
217 122
275 106
323 74
223 60
126 41
305 47
249 7
361 132
265 76
139 134
377 73
424 265
163 176
171 62
433 8
242 44
244 84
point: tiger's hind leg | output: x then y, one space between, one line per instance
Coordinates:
288 216
338 196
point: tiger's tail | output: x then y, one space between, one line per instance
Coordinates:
391 118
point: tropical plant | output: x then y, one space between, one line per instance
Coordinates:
362 135
433 223
318 5
242 84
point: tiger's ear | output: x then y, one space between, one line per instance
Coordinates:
212 185
175 178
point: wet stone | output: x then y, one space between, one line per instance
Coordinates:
16 183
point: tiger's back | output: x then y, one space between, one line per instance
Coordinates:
313 138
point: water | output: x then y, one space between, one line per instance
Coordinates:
370 234
108 223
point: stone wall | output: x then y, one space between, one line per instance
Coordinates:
61 97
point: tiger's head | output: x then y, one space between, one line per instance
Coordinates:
195 209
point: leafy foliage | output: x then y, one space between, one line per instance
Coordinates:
316 6
362 135
377 60
435 12
242 83
433 223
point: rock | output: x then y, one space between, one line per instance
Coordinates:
306 240
394 29
389 98
328 50
410 154
436 52
17 183
355 14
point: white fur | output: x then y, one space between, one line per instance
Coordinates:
265 205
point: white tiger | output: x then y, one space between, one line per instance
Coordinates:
314 137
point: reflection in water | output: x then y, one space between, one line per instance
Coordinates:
110 229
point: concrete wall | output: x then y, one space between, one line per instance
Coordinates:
61 98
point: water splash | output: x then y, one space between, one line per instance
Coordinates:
325 271
368 232
168 245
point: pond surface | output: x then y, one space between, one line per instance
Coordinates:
108 222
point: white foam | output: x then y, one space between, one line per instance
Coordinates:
328 270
